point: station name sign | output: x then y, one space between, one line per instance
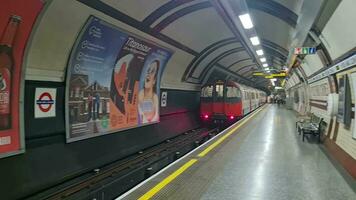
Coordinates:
343 65
304 50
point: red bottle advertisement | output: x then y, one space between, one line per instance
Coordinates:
6 64
16 22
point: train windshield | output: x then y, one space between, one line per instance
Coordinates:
207 91
233 93
219 89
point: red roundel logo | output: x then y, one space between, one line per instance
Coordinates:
45 102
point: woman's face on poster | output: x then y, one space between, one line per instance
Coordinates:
150 78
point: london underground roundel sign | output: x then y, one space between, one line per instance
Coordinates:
45 102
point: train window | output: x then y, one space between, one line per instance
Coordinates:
207 91
232 92
219 91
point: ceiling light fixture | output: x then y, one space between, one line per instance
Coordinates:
255 41
263 59
259 52
265 65
246 21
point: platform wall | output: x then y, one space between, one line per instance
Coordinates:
48 159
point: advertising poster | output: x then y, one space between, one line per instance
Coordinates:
113 81
342 97
16 20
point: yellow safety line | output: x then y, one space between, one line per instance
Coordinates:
179 171
217 142
167 180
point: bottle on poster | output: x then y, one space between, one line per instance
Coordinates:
6 67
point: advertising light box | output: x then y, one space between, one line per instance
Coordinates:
113 81
16 21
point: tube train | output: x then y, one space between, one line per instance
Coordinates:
228 101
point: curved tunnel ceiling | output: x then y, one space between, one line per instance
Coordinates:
195 27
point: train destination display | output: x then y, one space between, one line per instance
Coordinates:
113 81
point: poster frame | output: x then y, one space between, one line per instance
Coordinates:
23 64
68 74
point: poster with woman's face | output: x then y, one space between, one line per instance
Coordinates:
148 102
114 80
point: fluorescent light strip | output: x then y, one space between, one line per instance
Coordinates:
255 41
265 65
263 59
246 21
259 52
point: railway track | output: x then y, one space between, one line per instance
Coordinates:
126 172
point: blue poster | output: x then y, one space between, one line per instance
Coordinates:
113 81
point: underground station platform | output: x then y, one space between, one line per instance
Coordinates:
260 157
177 99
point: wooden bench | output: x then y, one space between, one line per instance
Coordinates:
303 118
310 127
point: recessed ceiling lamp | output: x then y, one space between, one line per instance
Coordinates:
255 41
263 59
246 21
267 69
265 65
259 52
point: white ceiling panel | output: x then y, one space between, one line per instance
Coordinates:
246 70
293 5
199 29
213 55
138 9
230 59
241 64
162 17
271 28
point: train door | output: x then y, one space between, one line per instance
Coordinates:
233 105
218 100
206 101
250 100
245 102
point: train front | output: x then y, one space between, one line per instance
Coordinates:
220 103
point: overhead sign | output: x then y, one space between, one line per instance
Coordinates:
283 82
279 75
304 50
45 102
282 74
